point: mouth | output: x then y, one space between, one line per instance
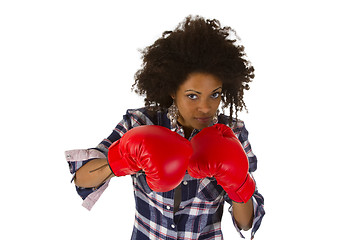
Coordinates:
203 120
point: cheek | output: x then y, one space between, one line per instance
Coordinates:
186 109
217 104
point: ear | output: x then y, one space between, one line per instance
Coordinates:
172 95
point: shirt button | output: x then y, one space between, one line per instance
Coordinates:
172 226
185 182
168 207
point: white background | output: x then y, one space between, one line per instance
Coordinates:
66 70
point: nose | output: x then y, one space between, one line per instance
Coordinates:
204 107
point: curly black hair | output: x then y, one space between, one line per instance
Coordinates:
196 45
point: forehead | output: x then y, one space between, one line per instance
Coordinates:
201 81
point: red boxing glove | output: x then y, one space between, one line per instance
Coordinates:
162 154
218 153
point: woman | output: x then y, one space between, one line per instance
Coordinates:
186 74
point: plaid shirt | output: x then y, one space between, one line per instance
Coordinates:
202 200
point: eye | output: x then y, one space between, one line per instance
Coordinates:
215 95
192 96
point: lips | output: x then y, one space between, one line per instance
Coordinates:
203 119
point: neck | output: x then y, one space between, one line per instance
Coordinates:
187 132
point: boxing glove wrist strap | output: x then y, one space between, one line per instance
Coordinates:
244 192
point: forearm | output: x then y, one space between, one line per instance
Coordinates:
243 214
93 173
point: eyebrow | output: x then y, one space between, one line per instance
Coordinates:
191 90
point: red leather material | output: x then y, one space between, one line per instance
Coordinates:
162 154
218 153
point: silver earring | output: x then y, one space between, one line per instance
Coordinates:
215 118
173 114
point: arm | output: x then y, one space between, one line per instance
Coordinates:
77 159
97 171
141 148
243 214
246 204
91 190
93 173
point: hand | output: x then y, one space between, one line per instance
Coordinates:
218 153
162 154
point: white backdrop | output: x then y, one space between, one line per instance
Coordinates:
66 70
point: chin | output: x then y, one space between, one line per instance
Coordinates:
201 126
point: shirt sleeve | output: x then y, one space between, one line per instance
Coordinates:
259 212
132 118
76 159
79 157
258 200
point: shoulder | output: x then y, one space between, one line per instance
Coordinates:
144 116
236 125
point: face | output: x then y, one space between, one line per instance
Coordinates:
197 99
